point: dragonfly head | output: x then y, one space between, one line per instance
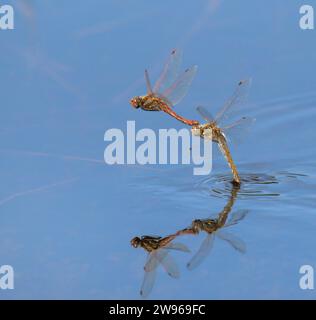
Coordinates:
135 242
136 102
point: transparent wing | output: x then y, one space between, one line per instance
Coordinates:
148 283
204 250
237 131
153 261
148 84
237 98
168 263
235 217
178 246
162 257
234 241
169 72
205 114
177 91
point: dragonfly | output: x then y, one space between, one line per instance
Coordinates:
169 89
213 130
216 228
158 253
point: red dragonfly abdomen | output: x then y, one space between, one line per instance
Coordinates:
164 107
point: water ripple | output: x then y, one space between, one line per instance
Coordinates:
253 184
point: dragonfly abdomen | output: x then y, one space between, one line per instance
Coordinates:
225 150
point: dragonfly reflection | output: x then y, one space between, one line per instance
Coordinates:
158 253
169 89
212 130
216 227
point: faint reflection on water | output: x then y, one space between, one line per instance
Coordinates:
215 227
157 247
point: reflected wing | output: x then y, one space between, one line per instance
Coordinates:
234 241
237 98
162 257
176 92
169 72
178 246
204 250
168 263
152 262
205 114
239 129
235 217
148 283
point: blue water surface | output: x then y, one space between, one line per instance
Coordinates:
68 70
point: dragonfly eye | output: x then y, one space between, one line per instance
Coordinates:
135 242
135 102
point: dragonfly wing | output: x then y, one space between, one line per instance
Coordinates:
234 241
238 97
236 216
237 131
176 92
152 261
205 114
168 263
148 283
204 250
178 246
148 85
169 72
162 257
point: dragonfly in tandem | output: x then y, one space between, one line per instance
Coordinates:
169 89
158 253
215 227
213 129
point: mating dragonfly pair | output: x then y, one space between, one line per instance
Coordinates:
158 248
170 89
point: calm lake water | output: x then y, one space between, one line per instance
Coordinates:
67 218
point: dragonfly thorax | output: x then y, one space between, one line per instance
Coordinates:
149 102
208 225
207 130
149 243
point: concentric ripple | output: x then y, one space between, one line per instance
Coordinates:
252 184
